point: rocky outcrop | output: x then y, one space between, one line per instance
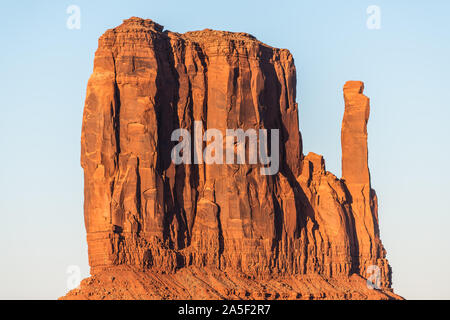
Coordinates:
356 176
145 213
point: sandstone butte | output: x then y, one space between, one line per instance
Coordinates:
156 230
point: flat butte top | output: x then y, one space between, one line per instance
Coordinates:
239 43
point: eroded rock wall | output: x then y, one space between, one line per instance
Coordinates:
143 210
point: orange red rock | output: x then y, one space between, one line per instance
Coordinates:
157 219
356 176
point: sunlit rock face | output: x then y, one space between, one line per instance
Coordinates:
144 212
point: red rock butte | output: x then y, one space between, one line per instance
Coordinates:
157 230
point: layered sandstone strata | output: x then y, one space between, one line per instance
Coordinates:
145 213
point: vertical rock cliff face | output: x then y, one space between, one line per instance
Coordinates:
356 176
144 211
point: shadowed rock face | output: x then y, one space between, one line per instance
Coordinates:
145 212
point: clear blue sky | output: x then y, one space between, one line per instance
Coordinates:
405 66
